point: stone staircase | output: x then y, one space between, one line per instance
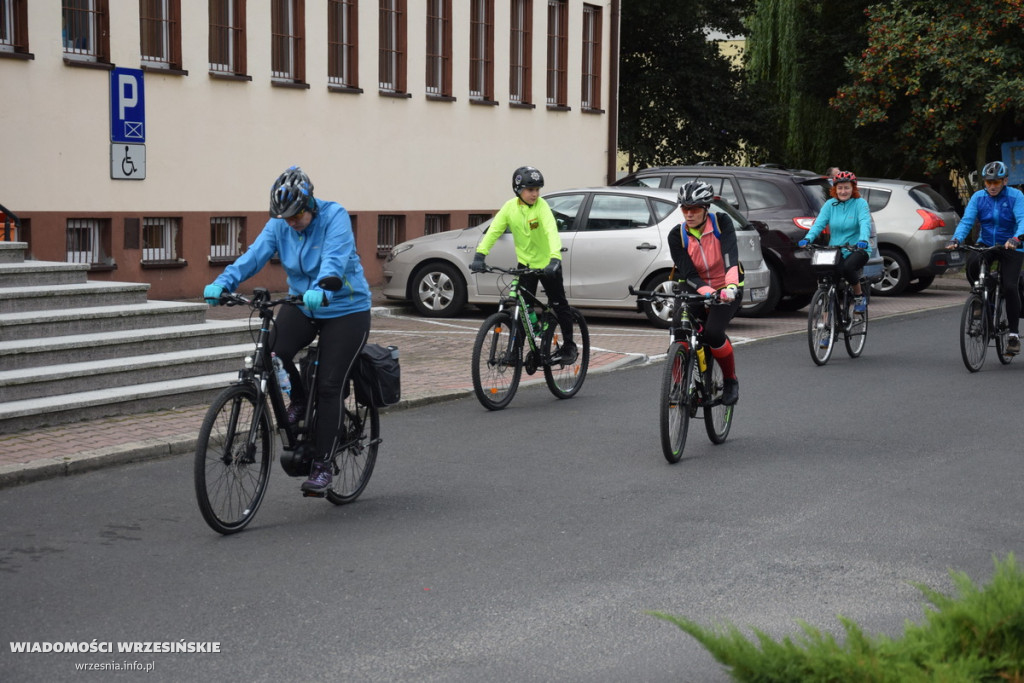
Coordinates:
74 350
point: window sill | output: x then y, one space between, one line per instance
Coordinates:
220 76
441 98
481 101
102 267
588 110
558 107
222 260
392 93
294 85
173 263
522 105
346 89
384 253
16 55
83 64
166 70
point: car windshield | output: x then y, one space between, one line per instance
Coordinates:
816 192
928 198
738 220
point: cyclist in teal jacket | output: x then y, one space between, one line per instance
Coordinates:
999 210
535 234
849 222
314 240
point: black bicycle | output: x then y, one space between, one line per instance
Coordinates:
524 321
692 379
831 308
983 321
236 442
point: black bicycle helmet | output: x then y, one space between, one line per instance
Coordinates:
696 193
291 194
524 177
994 170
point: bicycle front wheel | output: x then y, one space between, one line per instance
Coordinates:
856 333
717 417
356 452
497 361
973 333
821 327
565 379
676 395
232 461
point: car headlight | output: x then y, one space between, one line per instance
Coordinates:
400 249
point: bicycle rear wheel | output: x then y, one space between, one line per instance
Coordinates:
232 461
821 327
356 454
565 380
856 333
677 392
497 361
973 333
717 417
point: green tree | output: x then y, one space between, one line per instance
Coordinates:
944 74
680 99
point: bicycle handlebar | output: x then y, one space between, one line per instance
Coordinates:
260 299
849 247
511 271
689 297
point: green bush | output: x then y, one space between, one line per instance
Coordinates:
976 636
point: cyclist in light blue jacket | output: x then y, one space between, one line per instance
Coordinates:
999 210
849 222
314 240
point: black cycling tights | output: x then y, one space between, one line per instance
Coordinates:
852 266
340 342
555 290
1010 263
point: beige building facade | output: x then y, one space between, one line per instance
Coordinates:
142 137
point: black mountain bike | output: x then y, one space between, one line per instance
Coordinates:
498 358
692 379
236 442
983 320
831 308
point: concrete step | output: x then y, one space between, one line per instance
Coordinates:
31 273
59 350
36 324
51 297
53 380
12 252
16 416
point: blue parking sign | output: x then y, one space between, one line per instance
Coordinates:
1013 157
127 105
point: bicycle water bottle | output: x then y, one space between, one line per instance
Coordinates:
533 319
282 375
702 362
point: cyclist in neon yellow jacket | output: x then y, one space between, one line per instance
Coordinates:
535 234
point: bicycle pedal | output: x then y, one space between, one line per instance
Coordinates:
314 494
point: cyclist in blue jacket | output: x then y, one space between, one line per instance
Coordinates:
849 221
314 240
999 210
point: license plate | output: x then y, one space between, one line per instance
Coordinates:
757 293
955 258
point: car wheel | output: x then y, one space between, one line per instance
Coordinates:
760 309
895 274
438 291
920 284
658 312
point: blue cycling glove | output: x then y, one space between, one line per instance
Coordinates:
212 294
802 243
862 245
314 299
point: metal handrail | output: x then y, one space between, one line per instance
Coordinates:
8 215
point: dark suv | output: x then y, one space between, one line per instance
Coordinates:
782 205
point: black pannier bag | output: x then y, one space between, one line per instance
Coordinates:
378 377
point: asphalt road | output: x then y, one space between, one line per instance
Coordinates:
526 545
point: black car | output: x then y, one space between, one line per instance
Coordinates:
782 205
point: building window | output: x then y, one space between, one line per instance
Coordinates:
591 57
481 50
227 37
86 238
558 53
435 223
342 43
439 48
86 31
390 231
13 27
520 61
392 48
476 219
227 237
160 33
287 45
160 239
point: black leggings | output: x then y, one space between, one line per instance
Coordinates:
555 290
341 339
715 319
852 266
1010 262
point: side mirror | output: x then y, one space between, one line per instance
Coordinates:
331 283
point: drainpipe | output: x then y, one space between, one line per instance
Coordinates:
613 92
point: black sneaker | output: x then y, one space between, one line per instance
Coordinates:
730 392
566 355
